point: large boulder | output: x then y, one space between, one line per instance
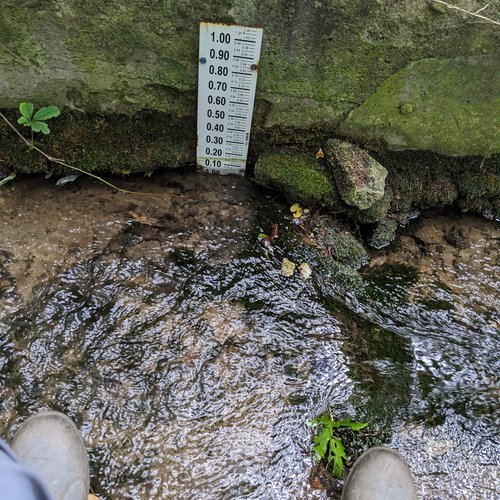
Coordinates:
449 106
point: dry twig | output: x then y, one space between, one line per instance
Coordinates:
473 14
72 167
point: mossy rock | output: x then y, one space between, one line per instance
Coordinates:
423 180
376 212
320 61
92 142
335 279
339 243
384 233
449 106
301 178
480 191
360 178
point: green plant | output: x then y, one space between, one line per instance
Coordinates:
37 122
328 446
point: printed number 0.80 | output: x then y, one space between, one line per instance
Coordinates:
220 70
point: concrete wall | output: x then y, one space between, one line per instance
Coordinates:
405 73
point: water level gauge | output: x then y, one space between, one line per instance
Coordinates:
227 78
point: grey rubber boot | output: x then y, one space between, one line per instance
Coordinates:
379 474
50 444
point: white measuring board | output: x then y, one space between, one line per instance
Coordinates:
227 78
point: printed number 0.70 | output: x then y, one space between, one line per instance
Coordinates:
217 85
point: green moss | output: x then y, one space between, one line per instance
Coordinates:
319 59
455 108
139 144
390 282
406 108
335 279
302 178
384 233
376 212
480 191
422 180
380 362
436 304
359 178
340 244
440 192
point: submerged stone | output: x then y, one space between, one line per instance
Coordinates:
360 178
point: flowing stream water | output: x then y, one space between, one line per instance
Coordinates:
191 365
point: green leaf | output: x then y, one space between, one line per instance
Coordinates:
40 127
47 112
26 109
24 121
355 426
324 419
322 440
338 455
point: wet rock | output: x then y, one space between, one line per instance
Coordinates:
321 60
360 178
376 212
384 233
145 250
300 177
321 478
480 190
430 234
339 243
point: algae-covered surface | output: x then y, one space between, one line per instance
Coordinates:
397 71
384 185
191 365
448 106
300 177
